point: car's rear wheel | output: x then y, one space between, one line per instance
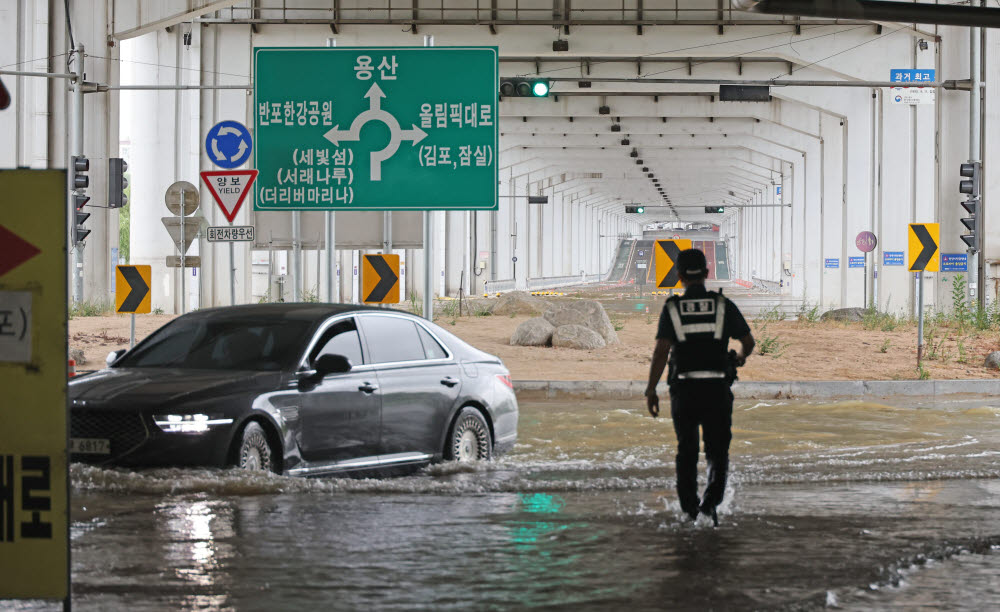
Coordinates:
470 438
255 452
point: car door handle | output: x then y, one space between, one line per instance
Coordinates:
449 381
368 388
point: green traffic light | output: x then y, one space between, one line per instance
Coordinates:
641 209
540 89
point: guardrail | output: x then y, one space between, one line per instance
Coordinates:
534 284
499 286
768 286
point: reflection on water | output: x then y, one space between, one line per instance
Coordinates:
853 505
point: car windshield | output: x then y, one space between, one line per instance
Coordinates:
222 344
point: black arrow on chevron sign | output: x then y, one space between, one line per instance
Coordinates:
137 289
387 278
672 277
929 248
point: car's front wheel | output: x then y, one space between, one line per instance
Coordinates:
255 452
470 438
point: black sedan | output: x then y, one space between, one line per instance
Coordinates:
300 389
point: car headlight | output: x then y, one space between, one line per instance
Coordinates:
189 423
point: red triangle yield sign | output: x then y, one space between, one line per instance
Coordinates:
14 250
229 188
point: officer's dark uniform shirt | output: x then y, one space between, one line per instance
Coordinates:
706 354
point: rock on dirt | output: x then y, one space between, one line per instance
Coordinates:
519 302
77 355
844 314
533 332
589 313
993 360
577 337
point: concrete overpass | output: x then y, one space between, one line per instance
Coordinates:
638 83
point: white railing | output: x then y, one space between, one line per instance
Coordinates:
768 286
535 284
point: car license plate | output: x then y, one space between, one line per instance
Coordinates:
90 446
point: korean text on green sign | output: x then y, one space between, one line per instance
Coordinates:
387 128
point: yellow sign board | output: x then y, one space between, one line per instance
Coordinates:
34 489
924 252
380 279
132 292
666 252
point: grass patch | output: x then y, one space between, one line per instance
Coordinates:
885 346
617 321
809 314
94 308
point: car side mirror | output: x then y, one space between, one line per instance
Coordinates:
332 364
113 357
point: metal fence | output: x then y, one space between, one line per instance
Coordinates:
536 284
768 286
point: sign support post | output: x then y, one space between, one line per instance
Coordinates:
183 242
428 244
920 317
131 337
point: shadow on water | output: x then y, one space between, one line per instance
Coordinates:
851 505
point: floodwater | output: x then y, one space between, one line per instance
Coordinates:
851 505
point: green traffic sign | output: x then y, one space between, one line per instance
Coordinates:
375 128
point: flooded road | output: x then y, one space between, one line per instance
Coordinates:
848 505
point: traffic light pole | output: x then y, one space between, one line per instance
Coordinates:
976 278
76 149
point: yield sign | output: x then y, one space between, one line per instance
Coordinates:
14 250
666 252
229 188
380 279
923 242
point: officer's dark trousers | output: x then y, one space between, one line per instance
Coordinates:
710 405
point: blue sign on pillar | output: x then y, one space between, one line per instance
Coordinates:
855 262
892 258
832 262
954 262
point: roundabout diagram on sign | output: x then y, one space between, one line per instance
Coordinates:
375 113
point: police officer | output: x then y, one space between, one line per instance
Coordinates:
698 326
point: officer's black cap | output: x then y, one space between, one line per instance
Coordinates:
691 263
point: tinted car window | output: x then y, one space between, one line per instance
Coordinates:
392 339
228 344
432 349
341 339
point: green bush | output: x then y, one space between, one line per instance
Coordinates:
94 308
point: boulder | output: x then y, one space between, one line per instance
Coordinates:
77 355
993 360
844 314
519 302
577 337
533 332
589 313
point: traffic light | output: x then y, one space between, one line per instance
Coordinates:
117 182
972 171
524 88
715 210
80 233
78 166
635 209
970 222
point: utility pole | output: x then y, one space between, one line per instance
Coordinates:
76 150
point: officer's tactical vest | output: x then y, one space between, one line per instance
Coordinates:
701 348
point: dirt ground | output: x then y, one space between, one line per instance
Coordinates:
803 351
